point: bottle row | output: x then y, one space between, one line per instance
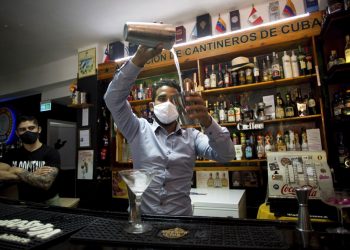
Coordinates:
6 147
254 145
341 104
279 65
240 109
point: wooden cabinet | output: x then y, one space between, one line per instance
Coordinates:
335 81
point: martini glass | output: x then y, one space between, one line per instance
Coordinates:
137 181
339 199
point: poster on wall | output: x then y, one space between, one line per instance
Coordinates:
212 179
85 164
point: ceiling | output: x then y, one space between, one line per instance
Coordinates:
36 32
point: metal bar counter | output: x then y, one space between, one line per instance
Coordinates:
73 228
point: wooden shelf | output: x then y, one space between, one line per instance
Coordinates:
296 119
261 85
80 106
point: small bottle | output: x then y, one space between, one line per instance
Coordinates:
289 108
347 47
234 78
287 66
308 59
301 105
249 75
216 115
269 68
237 108
311 103
207 78
304 145
265 72
235 139
302 61
227 77
241 77
231 114
279 107
220 82
248 151
222 118
213 78
256 71
295 65
276 69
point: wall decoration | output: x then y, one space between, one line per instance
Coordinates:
87 63
85 164
84 138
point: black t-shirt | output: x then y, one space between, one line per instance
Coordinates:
31 161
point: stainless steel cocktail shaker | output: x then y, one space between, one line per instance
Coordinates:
150 34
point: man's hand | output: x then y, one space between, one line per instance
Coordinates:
143 54
44 171
198 110
16 170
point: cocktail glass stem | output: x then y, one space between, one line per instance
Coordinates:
138 210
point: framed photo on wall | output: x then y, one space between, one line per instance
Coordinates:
84 138
85 164
87 63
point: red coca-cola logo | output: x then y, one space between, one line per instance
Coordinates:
286 189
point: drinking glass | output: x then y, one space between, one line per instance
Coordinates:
339 199
137 181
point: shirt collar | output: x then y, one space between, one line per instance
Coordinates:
155 126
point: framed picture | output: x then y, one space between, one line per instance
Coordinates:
84 138
85 164
87 63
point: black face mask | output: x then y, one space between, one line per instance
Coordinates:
29 137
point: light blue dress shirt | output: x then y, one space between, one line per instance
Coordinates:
172 155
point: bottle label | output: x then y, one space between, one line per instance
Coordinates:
256 72
231 116
289 111
347 56
311 103
207 83
222 115
227 79
213 80
279 112
302 65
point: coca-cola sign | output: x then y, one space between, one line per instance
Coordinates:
289 190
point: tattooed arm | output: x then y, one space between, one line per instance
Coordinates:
39 179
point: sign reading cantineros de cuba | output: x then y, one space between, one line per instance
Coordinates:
281 32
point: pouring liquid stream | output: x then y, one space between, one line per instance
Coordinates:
176 60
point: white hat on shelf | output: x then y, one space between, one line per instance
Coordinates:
241 62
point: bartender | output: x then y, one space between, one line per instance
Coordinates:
163 145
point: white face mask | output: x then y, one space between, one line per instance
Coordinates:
166 112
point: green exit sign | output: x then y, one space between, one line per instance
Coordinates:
45 106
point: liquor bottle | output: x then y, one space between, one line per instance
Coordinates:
199 87
265 72
302 61
279 107
234 78
237 108
311 103
347 48
241 77
260 149
256 71
304 145
235 139
281 146
333 58
231 114
301 104
140 92
268 142
291 145
216 115
287 140
206 78
289 108
243 143
308 58
276 69
213 78
249 75
287 65
341 149
248 151
220 81
222 113
269 68
227 77
295 65
297 141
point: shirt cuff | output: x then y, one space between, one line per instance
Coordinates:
213 130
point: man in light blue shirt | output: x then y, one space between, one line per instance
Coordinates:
163 145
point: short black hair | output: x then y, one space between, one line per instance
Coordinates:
24 118
164 82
